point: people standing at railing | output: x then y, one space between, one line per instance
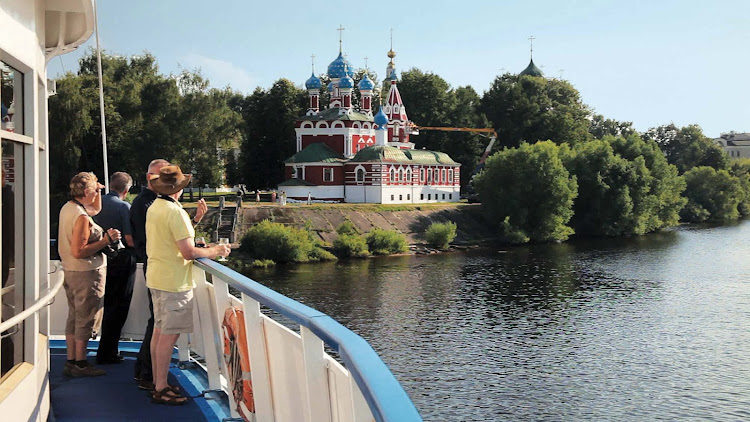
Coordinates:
142 369
170 250
121 267
80 244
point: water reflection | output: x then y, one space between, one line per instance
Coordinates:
650 327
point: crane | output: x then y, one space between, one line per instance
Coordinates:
486 132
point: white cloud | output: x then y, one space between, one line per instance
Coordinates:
220 72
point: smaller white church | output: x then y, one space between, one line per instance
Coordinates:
736 145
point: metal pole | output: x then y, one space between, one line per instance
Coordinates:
101 97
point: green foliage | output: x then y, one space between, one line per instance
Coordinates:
384 242
528 191
431 101
440 235
741 169
601 126
712 195
262 263
347 227
269 116
281 243
688 147
625 186
350 245
531 109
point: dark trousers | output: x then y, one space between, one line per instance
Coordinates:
143 362
117 295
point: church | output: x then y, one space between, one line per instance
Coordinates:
353 155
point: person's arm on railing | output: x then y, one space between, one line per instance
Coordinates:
189 251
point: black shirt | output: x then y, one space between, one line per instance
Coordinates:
138 221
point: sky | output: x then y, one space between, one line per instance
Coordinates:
650 62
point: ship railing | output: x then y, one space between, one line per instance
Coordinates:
37 306
293 378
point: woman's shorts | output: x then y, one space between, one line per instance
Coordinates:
85 293
173 311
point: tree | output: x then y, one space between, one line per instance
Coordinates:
741 170
530 109
430 101
712 195
601 126
688 147
528 192
658 205
269 117
625 186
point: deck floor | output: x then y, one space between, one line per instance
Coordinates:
116 397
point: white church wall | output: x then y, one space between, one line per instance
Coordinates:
317 192
363 194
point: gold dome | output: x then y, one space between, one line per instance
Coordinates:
391 54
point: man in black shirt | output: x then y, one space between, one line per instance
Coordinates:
138 208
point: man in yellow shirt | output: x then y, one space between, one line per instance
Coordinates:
171 248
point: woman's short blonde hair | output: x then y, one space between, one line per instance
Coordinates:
82 182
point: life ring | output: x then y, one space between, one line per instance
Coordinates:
238 361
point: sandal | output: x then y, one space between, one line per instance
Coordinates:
168 396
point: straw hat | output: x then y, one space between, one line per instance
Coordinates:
170 180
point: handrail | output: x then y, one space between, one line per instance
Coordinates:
31 310
384 395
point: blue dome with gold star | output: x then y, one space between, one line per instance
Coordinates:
313 83
365 84
346 82
339 67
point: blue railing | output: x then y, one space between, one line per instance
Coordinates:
384 395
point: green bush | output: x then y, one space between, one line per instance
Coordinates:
350 245
712 195
281 243
262 263
384 242
440 235
347 227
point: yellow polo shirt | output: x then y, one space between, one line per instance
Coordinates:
166 223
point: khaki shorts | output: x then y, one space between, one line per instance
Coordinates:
85 293
173 311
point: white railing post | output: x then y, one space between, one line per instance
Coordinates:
258 350
183 348
316 377
222 302
208 333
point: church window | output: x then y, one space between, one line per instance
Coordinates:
400 175
328 175
408 176
429 176
429 196
450 176
393 175
391 197
360 175
408 197
294 172
421 176
421 197
401 197
443 196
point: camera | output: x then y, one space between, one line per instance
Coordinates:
113 249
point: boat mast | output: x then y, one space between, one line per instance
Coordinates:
101 97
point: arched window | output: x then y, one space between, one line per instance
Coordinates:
400 175
450 176
307 125
421 175
360 175
408 176
442 176
393 174
429 176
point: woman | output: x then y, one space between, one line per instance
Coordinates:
80 243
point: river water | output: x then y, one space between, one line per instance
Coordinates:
644 328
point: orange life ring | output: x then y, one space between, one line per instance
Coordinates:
238 361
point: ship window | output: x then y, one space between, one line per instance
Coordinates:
12 238
11 97
328 175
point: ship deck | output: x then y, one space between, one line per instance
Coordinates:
115 395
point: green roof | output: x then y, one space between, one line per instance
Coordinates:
296 182
381 153
333 114
316 153
531 70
